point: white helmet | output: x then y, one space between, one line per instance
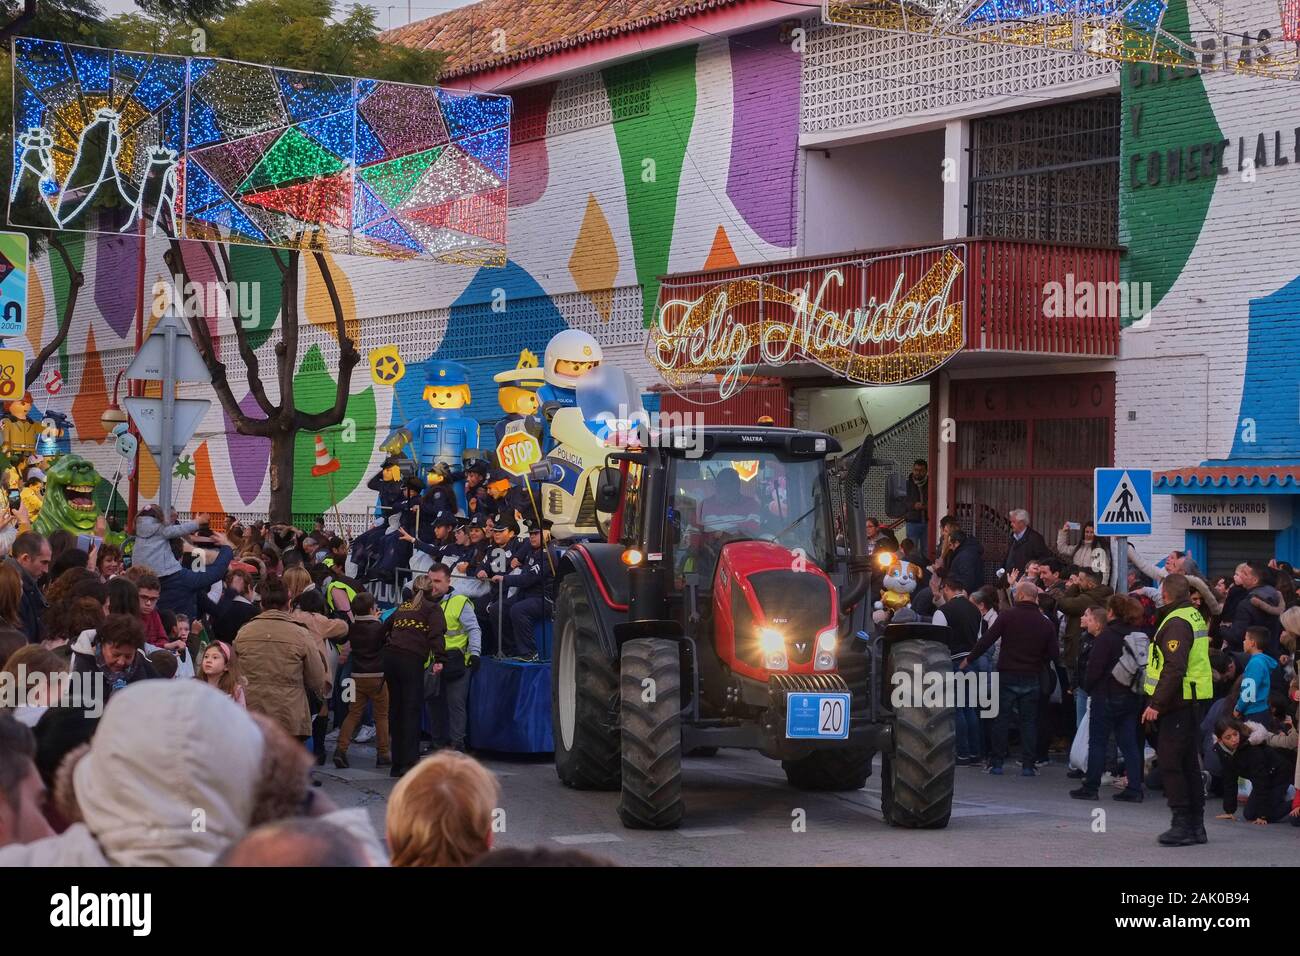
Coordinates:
571 345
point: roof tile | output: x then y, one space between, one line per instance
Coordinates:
534 28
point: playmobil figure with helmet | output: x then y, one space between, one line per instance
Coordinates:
570 355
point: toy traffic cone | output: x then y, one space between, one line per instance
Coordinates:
325 463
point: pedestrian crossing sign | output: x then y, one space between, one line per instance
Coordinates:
1121 501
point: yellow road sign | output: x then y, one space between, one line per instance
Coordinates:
386 366
13 375
518 452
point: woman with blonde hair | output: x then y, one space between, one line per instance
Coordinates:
440 814
296 580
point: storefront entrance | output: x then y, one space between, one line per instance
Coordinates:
898 417
1027 443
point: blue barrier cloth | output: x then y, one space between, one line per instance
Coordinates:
510 706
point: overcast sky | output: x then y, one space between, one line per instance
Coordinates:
394 15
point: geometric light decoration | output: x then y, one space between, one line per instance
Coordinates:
1234 36
203 148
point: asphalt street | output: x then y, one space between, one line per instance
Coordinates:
741 812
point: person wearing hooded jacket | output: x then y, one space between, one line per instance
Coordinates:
131 793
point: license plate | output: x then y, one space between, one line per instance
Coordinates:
816 716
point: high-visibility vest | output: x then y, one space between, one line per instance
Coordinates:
457 637
1198 682
334 585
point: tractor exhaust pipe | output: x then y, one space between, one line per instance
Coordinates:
859 579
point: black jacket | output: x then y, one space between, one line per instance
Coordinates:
966 564
390 492
31 609
963 619
366 635
1102 658
1030 547
1262 765
1232 627
229 615
917 492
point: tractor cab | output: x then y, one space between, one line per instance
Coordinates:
747 565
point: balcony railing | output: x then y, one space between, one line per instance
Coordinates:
1027 297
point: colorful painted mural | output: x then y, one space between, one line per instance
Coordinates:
1209 185
682 160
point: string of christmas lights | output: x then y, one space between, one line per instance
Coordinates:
204 148
1128 31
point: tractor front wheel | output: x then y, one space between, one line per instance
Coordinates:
917 778
650 723
584 696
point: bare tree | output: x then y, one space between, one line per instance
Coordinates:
284 419
76 279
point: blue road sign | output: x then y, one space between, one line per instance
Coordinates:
1121 501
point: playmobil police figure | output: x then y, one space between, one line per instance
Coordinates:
517 396
444 433
570 355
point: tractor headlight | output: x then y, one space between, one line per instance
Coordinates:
827 641
772 643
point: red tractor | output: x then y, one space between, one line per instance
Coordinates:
723 612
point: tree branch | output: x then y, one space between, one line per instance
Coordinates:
244 424
282 266
245 348
348 358
286 350
76 280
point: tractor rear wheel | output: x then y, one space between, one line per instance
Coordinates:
917 778
650 721
584 696
843 768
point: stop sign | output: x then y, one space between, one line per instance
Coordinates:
518 452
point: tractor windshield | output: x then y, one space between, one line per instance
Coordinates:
746 494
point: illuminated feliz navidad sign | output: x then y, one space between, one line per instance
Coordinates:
881 321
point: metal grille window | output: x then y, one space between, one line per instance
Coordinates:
1049 174
528 119
629 89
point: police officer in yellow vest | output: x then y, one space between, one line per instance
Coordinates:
454 656
1179 685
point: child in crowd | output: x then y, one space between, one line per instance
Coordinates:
1248 750
1256 680
219 669
164 662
